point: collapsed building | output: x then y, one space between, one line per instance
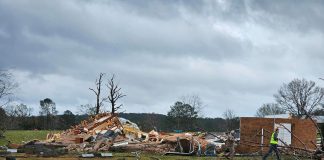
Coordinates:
107 132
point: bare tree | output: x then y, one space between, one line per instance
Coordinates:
194 101
114 94
20 110
269 109
299 97
97 92
231 119
7 87
87 109
17 115
229 114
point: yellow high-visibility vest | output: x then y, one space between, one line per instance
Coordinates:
272 140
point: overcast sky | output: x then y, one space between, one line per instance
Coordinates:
233 54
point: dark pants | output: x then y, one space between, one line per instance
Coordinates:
273 147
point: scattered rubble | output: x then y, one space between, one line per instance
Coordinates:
107 132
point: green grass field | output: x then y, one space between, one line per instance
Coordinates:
18 136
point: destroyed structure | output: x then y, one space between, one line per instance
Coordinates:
106 132
296 136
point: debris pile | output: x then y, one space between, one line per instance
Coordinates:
106 132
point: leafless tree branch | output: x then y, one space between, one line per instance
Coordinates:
300 97
97 92
7 87
114 94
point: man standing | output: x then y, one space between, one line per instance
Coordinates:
273 144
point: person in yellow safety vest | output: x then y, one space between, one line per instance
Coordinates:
273 145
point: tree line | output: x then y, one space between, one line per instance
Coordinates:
145 121
184 115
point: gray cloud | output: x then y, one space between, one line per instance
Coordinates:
303 16
233 54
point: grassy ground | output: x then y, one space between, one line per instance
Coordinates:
18 136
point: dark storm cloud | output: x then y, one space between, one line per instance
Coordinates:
231 53
301 15
115 31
